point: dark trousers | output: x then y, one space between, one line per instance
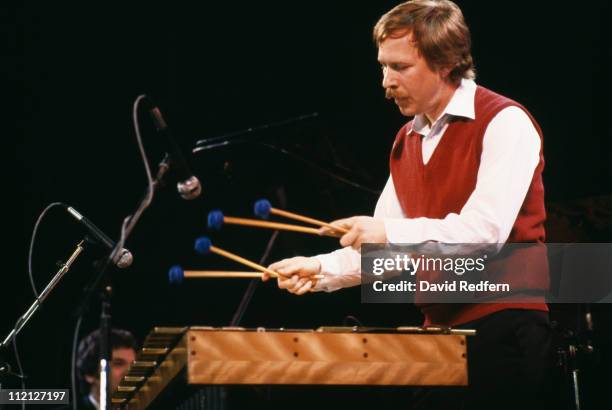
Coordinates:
510 366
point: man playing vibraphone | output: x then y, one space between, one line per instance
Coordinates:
466 169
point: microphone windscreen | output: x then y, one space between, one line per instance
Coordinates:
215 219
176 275
202 245
262 208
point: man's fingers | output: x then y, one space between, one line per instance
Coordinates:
298 285
290 269
286 267
295 273
304 288
324 230
276 266
348 238
346 223
287 283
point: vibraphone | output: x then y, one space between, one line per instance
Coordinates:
204 356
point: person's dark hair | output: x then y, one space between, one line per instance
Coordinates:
88 352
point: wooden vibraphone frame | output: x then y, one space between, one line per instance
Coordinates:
408 356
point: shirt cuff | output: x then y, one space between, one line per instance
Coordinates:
405 230
340 269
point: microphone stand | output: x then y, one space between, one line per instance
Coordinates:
106 351
577 350
207 143
248 294
255 134
23 320
43 295
105 296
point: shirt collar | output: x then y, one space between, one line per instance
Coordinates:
461 104
93 401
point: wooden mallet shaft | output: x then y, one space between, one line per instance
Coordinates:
274 225
203 246
226 274
220 274
307 219
243 261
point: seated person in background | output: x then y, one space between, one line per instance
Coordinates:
124 347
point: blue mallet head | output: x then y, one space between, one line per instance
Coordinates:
202 245
262 208
215 219
176 275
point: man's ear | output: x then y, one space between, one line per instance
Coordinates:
445 71
90 379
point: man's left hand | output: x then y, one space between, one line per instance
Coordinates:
361 229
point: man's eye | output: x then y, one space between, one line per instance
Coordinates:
395 67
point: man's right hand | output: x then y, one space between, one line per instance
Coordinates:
296 274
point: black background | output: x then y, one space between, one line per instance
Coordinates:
219 67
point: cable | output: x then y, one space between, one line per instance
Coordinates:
353 319
126 228
18 360
321 169
130 221
294 156
75 338
143 154
223 141
32 241
251 130
248 294
33 285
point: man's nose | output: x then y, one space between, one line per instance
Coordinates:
389 79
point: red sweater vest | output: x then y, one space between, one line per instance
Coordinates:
445 183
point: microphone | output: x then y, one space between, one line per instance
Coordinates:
189 186
125 256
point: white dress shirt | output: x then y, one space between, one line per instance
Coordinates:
510 154
93 401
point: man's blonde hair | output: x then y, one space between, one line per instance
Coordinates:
439 30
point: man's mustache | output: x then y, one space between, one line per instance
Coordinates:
390 95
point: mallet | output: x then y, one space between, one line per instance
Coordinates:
216 219
176 274
263 208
